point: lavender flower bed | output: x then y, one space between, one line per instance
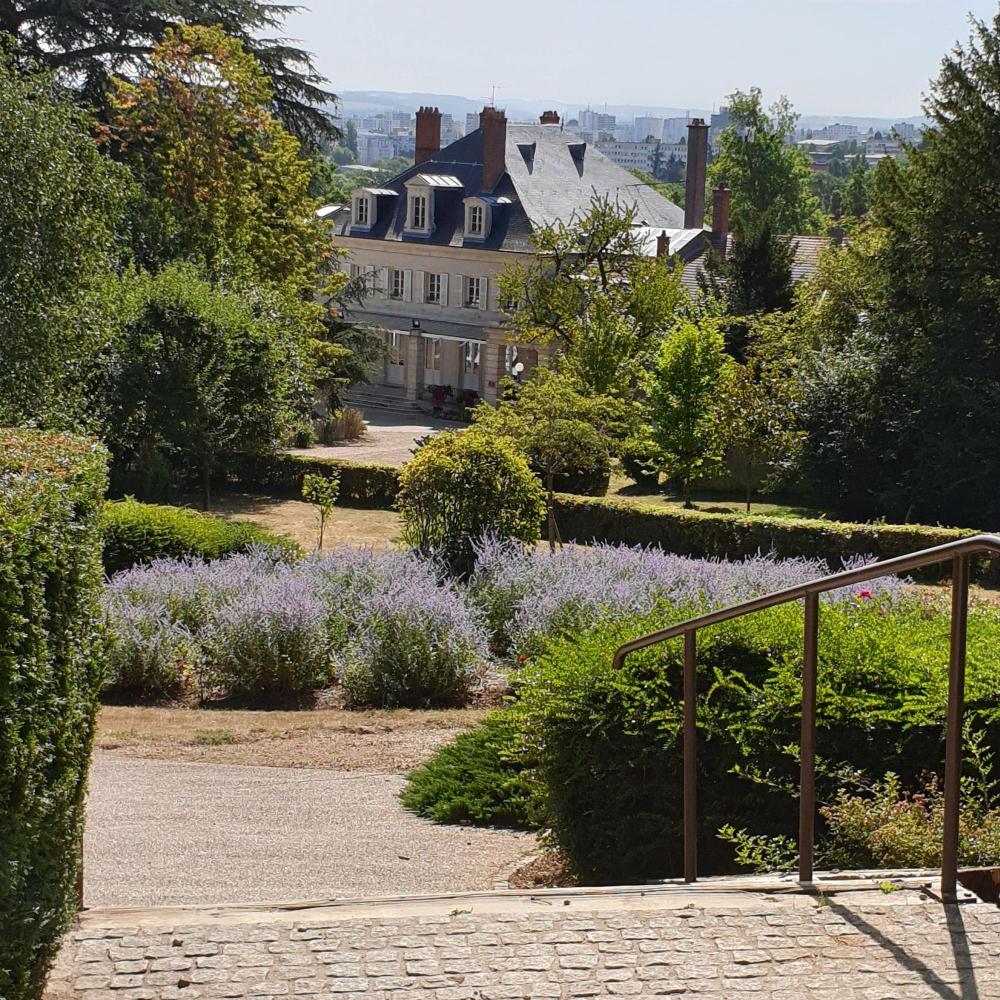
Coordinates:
527 595
384 624
248 625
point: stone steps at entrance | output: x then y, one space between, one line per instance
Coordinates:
377 397
718 939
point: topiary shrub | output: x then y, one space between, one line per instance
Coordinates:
462 486
51 656
478 778
609 742
137 533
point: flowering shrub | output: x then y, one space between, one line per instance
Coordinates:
414 645
251 625
528 595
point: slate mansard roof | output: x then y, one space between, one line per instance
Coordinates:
550 176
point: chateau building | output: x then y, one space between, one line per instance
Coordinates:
436 238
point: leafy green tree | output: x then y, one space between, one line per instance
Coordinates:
322 492
462 486
927 388
684 392
351 137
592 292
62 239
857 190
200 372
758 410
227 186
90 41
558 425
754 277
767 176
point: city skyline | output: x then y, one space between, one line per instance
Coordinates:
870 58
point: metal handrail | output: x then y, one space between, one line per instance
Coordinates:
959 553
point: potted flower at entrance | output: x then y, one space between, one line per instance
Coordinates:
440 394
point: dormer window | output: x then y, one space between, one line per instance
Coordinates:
477 218
362 211
418 211
475 227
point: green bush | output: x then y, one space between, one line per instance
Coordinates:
50 674
137 533
590 481
735 536
609 742
361 485
462 486
477 778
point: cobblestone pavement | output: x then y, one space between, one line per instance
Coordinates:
850 947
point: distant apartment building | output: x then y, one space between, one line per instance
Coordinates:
837 132
471 122
642 155
373 146
595 122
645 126
907 131
718 122
674 129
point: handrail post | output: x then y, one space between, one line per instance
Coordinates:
690 760
953 730
807 740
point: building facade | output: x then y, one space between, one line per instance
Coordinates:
432 243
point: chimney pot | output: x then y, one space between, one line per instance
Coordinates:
428 137
493 123
549 118
697 168
663 245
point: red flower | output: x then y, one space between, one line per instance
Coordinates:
864 595
522 659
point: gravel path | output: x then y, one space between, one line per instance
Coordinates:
390 440
163 833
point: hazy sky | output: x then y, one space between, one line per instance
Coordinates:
851 57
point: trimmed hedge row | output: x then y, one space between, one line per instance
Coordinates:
140 532
733 536
51 662
361 484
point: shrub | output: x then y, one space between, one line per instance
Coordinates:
414 645
322 493
50 673
461 486
265 628
735 536
529 596
347 424
361 485
636 459
609 742
478 778
269 640
137 533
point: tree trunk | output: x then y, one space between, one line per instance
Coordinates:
206 484
749 483
550 510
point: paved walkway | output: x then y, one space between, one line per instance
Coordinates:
390 440
852 946
163 833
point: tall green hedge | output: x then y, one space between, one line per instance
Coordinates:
734 536
51 491
140 532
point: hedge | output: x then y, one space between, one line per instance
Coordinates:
51 647
361 484
734 536
140 532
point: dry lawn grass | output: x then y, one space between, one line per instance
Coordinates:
345 526
391 742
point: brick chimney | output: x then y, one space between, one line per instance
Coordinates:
493 123
549 118
697 167
720 219
428 140
663 245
